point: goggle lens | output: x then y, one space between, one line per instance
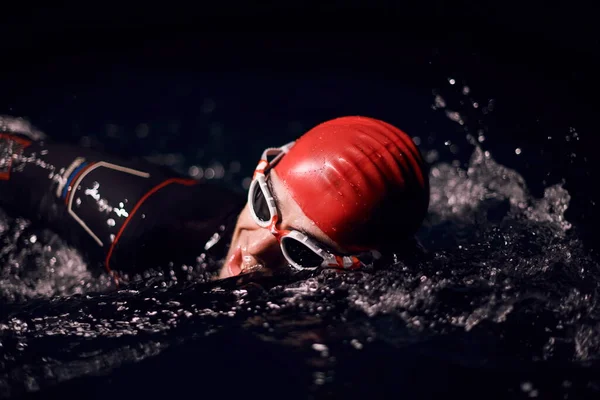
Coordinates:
300 254
259 204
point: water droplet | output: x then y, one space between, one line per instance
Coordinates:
517 151
455 116
219 171
439 102
110 222
196 172
319 347
451 81
319 378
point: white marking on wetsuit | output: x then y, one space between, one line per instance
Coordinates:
65 177
83 175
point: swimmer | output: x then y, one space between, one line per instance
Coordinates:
348 192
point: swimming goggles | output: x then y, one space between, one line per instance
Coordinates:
301 251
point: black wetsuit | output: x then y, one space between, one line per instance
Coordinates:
124 215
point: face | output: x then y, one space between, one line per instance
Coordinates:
254 247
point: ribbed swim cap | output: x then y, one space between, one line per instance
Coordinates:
362 181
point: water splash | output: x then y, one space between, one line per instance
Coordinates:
507 284
38 263
21 126
471 195
502 264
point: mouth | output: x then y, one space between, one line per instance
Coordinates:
249 264
239 263
234 262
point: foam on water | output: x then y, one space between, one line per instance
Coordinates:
15 124
488 234
37 263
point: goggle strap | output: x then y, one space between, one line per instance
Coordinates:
278 152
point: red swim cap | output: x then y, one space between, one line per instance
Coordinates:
361 180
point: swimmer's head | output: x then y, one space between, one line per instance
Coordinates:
362 181
351 183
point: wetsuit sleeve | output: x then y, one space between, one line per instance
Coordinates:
126 215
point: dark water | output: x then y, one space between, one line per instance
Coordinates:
505 306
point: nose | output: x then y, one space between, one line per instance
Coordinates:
264 246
